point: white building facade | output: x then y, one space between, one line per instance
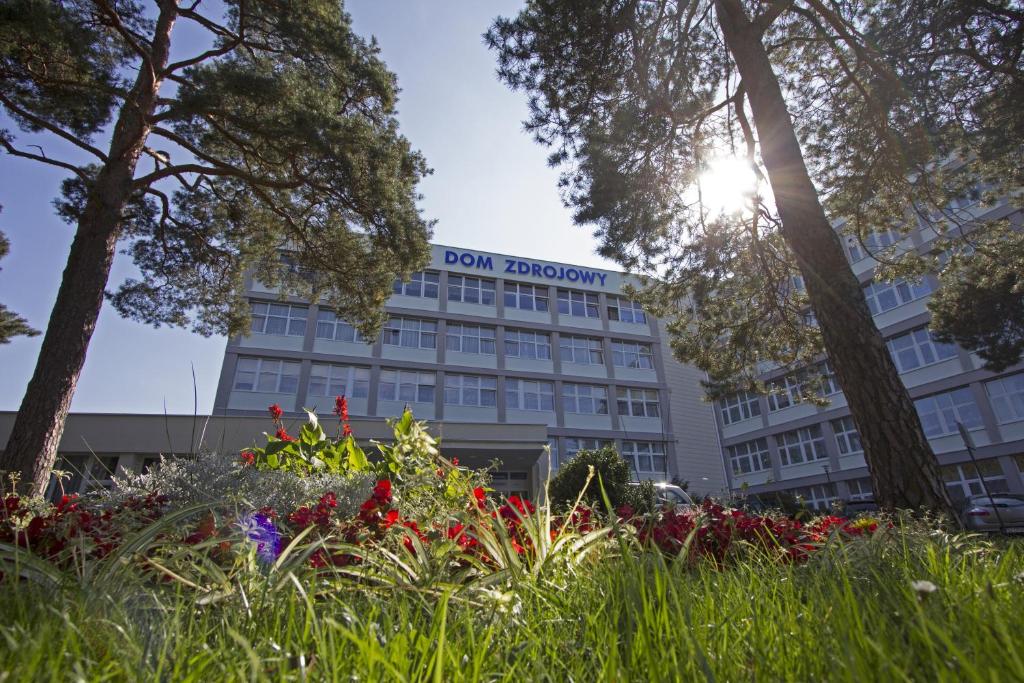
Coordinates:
776 443
497 341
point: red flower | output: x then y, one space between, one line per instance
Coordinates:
341 408
455 461
390 519
248 458
346 430
480 496
275 412
283 435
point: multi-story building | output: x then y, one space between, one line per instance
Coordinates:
503 345
777 443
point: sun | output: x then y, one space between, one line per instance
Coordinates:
727 186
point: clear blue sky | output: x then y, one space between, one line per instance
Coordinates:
491 190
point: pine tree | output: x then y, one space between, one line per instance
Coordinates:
829 104
279 136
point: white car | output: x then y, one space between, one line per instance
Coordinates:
669 493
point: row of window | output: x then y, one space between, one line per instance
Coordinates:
910 350
280 376
939 415
962 481
519 295
415 333
644 457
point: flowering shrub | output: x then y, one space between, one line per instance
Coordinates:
312 451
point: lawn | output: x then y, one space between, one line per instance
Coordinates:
406 570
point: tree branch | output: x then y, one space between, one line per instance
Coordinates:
12 150
56 130
764 20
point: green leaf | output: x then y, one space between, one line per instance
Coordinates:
357 460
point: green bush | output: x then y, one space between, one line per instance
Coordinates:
610 471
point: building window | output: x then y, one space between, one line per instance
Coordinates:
939 413
645 456
470 290
917 348
339 380
847 436
738 407
283 319
407 385
582 350
585 399
788 390
524 394
574 445
638 402
411 333
632 355
818 497
801 445
625 311
579 304
1007 397
530 345
526 297
470 390
329 326
421 284
265 375
963 481
470 338
860 489
873 241
750 456
885 296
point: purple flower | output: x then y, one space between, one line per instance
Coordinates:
259 529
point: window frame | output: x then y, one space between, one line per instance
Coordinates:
515 338
755 453
944 405
457 339
463 385
406 378
921 344
291 320
578 304
522 291
639 350
573 344
744 401
337 325
809 445
847 436
356 381
261 370
633 454
422 281
1008 404
389 332
576 396
617 305
627 400
517 394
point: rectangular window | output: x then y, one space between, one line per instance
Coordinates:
470 390
847 436
739 407
632 355
939 413
625 311
266 375
284 319
787 391
750 456
860 489
818 497
801 445
917 348
407 385
579 304
885 296
411 333
530 345
645 456
525 394
339 380
574 445
963 481
1007 397
585 399
582 350
470 339
874 242
526 297
638 402
470 290
330 326
421 284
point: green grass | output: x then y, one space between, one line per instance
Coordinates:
849 614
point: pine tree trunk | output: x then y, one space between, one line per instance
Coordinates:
32 447
904 471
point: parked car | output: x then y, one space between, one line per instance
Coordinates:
668 493
981 513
